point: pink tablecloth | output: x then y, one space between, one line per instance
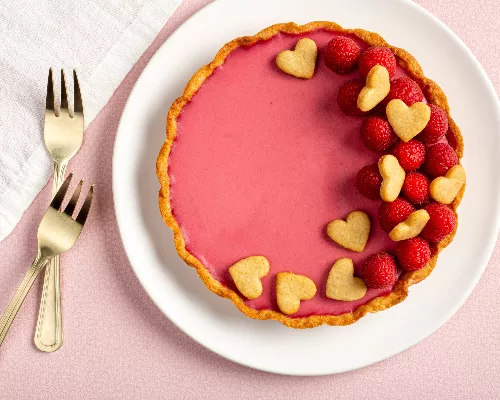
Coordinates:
118 345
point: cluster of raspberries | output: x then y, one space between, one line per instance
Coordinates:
425 157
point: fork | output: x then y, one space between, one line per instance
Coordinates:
57 233
63 135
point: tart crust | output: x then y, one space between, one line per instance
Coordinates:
434 95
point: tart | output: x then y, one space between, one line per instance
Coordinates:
290 200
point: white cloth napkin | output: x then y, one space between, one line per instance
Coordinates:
101 39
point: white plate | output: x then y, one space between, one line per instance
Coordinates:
267 345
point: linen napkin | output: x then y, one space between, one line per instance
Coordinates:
101 39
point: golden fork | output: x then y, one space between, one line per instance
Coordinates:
63 135
57 233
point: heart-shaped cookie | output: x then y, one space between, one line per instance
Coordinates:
291 289
407 122
300 62
393 176
352 233
342 284
247 274
376 89
444 189
411 227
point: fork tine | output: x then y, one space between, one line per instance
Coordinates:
78 104
64 95
49 100
61 193
84 211
70 208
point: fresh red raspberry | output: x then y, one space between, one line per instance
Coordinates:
377 134
377 56
380 270
368 181
405 89
413 254
442 222
416 188
341 54
436 127
347 97
411 155
391 214
439 158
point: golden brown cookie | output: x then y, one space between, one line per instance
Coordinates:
410 227
291 289
376 89
247 274
393 176
352 233
342 284
444 189
300 62
407 122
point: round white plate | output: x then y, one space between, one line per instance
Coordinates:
267 345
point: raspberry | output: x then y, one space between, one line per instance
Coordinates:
405 89
391 214
416 188
347 97
377 55
436 127
377 134
380 271
341 54
410 155
368 181
413 254
439 159
442 222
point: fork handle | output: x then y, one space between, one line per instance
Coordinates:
49 332
18 299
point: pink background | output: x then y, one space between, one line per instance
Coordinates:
119 345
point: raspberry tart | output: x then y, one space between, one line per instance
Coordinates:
311 174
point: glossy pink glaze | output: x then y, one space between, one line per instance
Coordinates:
262 163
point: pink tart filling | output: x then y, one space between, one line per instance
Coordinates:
262 162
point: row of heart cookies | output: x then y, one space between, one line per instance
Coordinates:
407 122
292 288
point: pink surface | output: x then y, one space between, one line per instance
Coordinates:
262 163
119 345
